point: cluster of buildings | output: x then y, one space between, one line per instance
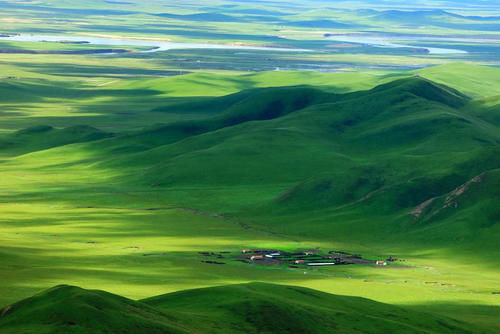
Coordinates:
311 258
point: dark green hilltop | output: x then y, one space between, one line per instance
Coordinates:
245 308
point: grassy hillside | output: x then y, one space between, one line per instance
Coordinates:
41 137
230 110
474 81
262 308
365 127
68 309
246 308
378 153
383 145
373 164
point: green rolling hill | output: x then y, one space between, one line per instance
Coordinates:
41 137
69 309
379 153
231 110
245 308
249 167
404 164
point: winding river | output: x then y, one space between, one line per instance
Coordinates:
386 42
154 46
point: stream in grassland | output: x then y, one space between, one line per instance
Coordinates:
154 45
388 42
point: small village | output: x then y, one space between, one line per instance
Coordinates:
295 259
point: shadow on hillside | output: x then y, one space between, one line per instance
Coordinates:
482 315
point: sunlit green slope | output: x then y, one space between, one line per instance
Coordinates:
377 153
366 159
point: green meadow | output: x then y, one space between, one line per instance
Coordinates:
126 207
118 172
